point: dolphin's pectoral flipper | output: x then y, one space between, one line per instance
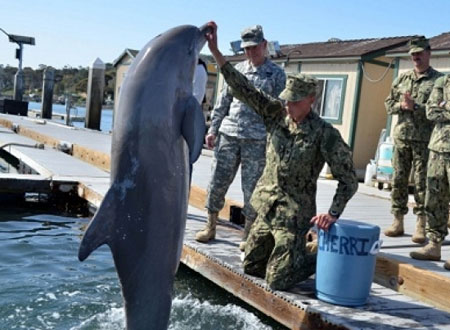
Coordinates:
193 127
100 228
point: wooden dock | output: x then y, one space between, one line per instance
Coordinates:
407 294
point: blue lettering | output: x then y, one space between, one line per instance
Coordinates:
343 245
346 245
363 243
334 239
353 242
321 240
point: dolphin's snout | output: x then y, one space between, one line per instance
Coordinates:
204 29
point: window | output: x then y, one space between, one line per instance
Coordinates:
330 98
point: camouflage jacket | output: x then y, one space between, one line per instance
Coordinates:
295 156
439 113
233 117
412 125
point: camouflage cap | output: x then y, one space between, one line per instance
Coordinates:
418 44
252 36
298 86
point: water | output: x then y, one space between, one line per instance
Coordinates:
105 122
44 286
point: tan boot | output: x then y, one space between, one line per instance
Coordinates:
209 232
396 229
447 264
419 235
431 251
311 247
311 242
247 226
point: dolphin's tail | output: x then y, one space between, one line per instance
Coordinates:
99 229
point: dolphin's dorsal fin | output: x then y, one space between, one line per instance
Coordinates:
193 127
100 227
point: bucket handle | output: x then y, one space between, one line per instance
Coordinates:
376 246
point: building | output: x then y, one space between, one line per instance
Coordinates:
355 77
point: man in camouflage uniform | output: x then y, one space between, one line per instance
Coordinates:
299 143
438 176
238 133
407 99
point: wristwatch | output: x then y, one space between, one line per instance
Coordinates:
333 213
416 106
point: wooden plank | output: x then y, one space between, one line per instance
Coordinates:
92 196
6 123
418 283
197 199
239 285
48 140
93 157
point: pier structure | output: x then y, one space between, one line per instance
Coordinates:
406 294
96 84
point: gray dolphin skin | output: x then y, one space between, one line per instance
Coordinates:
159 129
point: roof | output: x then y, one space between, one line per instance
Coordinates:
336 48
130 52
438 43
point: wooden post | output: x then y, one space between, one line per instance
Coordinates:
94 99
47 93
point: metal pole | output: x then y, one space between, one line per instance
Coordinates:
18 78
68 107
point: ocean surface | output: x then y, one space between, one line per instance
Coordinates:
105 121
44 286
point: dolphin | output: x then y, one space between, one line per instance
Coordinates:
158 132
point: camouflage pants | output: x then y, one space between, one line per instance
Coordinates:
409 154
438 196
277 253
228 154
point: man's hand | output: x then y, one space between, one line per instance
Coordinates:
323 221
408 102
211 38
210 140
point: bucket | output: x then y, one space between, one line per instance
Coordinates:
346 262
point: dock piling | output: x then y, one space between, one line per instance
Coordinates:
94 99
47 93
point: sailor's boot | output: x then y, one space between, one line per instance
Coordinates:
209 232
311 242
447 264
247 226
431 251
396 229
419 235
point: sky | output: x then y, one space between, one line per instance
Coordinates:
76 32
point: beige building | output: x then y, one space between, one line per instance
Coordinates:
355 77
